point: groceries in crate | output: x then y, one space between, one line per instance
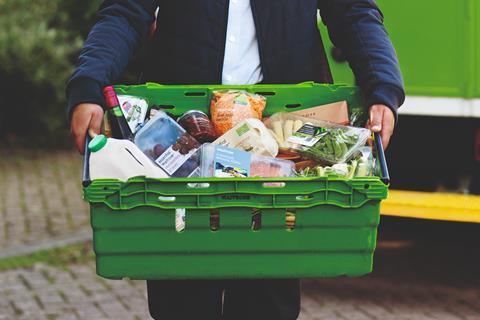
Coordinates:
250 135
229 108
198 125
164 141
316 139
134 110
106 128
119 159
223 162
233 143
118 124
361 165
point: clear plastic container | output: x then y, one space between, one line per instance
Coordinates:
219 161
315 139
164 141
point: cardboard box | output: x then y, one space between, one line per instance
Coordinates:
335 112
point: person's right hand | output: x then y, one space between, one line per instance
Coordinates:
86 116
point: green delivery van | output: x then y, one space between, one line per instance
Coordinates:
437 137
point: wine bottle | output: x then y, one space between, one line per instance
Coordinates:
118 123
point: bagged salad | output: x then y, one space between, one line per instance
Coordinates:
315 139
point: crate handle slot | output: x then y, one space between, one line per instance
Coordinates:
293 105
214 219
304 198
274 185
166 199
180 215
256 219
195 94
266 93
197 185
290 219
166 106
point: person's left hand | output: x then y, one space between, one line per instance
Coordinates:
382 120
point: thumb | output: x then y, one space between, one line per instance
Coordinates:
376 117
95 125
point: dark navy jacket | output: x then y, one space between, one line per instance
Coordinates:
188 46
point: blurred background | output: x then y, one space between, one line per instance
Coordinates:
427 259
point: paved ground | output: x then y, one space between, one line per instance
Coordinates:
423 270
40 196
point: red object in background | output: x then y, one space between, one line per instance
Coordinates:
477 145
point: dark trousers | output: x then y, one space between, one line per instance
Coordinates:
224 299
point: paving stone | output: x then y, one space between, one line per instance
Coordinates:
42 196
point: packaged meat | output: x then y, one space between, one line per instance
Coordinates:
164 141
229 108
219 161
250 135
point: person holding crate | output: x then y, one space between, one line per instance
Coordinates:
233 42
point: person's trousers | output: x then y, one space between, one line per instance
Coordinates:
224 299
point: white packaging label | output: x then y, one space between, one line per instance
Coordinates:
134 110
172 160
307 135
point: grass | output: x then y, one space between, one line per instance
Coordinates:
58 257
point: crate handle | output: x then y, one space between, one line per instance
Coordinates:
304 198
385 176
274 184
198 185
86 160
166 199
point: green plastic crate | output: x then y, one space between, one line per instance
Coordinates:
336 219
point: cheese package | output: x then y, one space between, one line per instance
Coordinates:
250 135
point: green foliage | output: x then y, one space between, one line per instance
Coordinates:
39 42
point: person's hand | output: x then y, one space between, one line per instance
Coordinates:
86 116
382 120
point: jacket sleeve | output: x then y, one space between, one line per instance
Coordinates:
122 26
356 27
